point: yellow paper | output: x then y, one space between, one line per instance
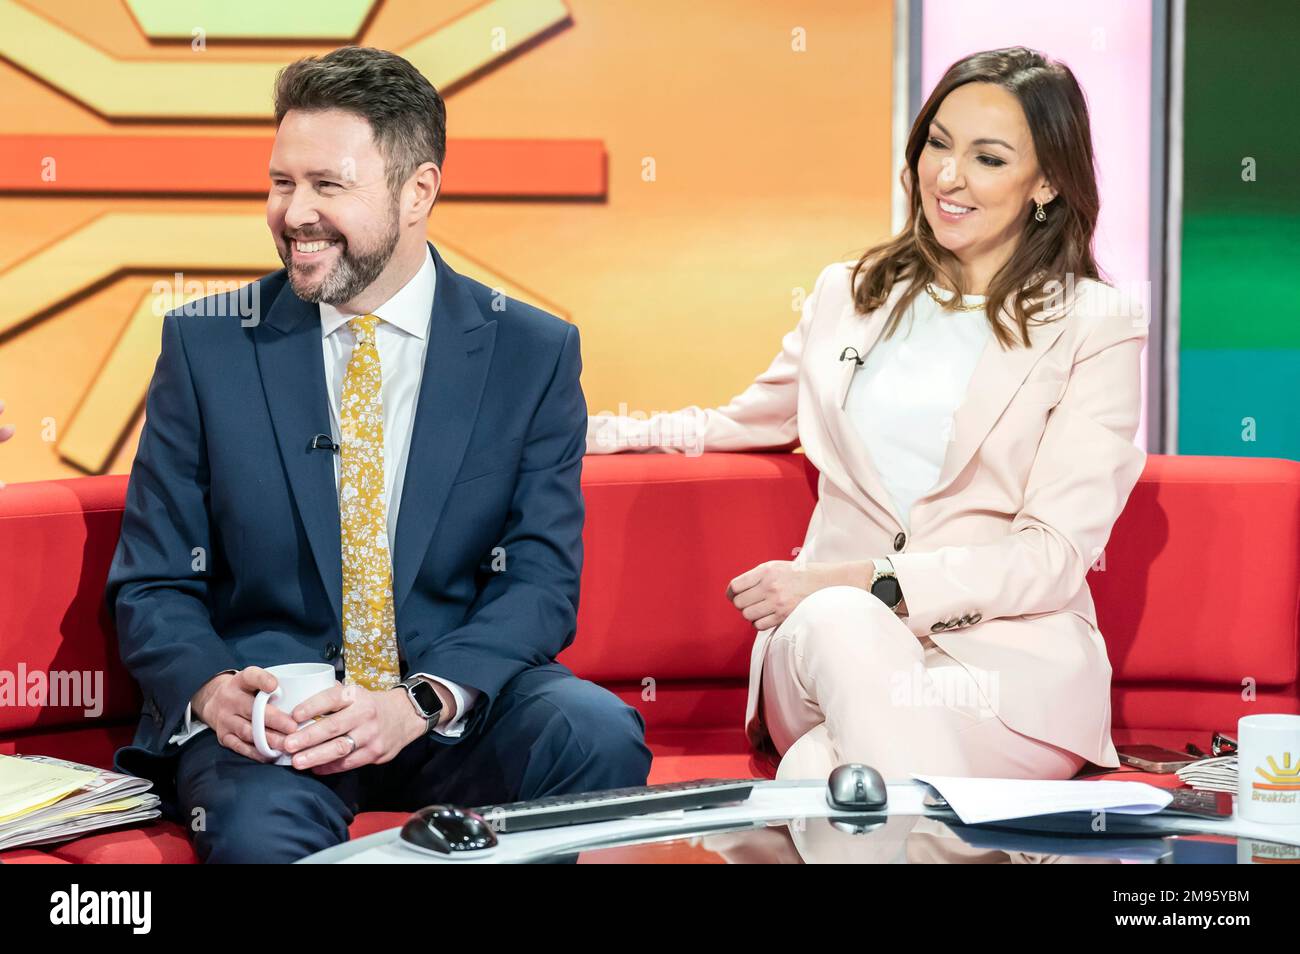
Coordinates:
123 805
26 786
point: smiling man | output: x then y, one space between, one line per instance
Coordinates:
381 473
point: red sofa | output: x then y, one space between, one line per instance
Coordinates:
1198 595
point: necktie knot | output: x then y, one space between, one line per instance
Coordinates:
363 326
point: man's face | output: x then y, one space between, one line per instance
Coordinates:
334 220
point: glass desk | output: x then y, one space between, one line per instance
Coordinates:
904 839
791 823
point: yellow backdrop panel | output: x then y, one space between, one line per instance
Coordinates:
747 147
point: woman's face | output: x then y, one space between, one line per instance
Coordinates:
979 162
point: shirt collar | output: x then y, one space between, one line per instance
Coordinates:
409 309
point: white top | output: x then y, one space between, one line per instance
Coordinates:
401 338
902 399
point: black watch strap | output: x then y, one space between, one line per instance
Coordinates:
884 584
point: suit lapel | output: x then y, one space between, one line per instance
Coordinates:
857 471
460 349
292 367
997 376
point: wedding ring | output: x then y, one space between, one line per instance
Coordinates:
354 744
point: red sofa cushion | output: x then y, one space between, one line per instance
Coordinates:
665 533
1201 583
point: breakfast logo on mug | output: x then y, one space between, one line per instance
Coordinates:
1266 790
1280 784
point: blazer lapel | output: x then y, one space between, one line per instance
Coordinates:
292 367
852 467
997 376
460 349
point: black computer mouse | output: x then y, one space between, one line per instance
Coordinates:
447 830
856 788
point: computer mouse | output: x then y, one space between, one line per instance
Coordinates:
856 788
449 831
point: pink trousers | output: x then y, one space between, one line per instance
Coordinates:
845 680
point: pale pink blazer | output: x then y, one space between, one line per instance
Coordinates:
1040 463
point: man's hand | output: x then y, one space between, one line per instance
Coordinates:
767 594
225 703
382 723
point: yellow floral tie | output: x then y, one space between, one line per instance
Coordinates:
369 633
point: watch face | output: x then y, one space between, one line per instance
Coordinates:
887 590
427 697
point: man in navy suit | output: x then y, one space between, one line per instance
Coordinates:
448 420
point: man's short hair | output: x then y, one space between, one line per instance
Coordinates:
408 120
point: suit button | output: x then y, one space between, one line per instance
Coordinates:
331 651
964 621
900 541
938 627
976 618
951 624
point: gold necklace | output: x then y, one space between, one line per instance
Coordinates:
929 288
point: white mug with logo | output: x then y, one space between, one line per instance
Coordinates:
295 683
1268 768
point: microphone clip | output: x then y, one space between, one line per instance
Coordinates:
323 442
845 355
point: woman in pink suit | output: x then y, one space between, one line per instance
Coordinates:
969 392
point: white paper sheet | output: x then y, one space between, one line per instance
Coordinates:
977 800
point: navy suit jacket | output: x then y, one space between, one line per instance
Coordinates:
230 548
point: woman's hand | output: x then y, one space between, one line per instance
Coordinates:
769 592
6 432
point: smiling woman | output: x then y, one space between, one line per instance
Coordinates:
937 617
1006 192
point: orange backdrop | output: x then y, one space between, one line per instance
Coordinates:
766 127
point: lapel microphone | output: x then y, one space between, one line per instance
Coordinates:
323 442
844 355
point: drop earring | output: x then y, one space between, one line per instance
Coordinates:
1040 215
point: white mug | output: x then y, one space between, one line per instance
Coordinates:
295 683
1268 768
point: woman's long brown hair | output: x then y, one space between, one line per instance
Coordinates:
1048 252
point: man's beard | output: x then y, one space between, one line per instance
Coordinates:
350 275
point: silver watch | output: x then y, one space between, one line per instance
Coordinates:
425 699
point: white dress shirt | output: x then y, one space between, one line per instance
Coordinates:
402 338
902 399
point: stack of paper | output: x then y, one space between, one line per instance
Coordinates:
977 800
44 799
1211 775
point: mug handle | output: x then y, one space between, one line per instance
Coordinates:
259 721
